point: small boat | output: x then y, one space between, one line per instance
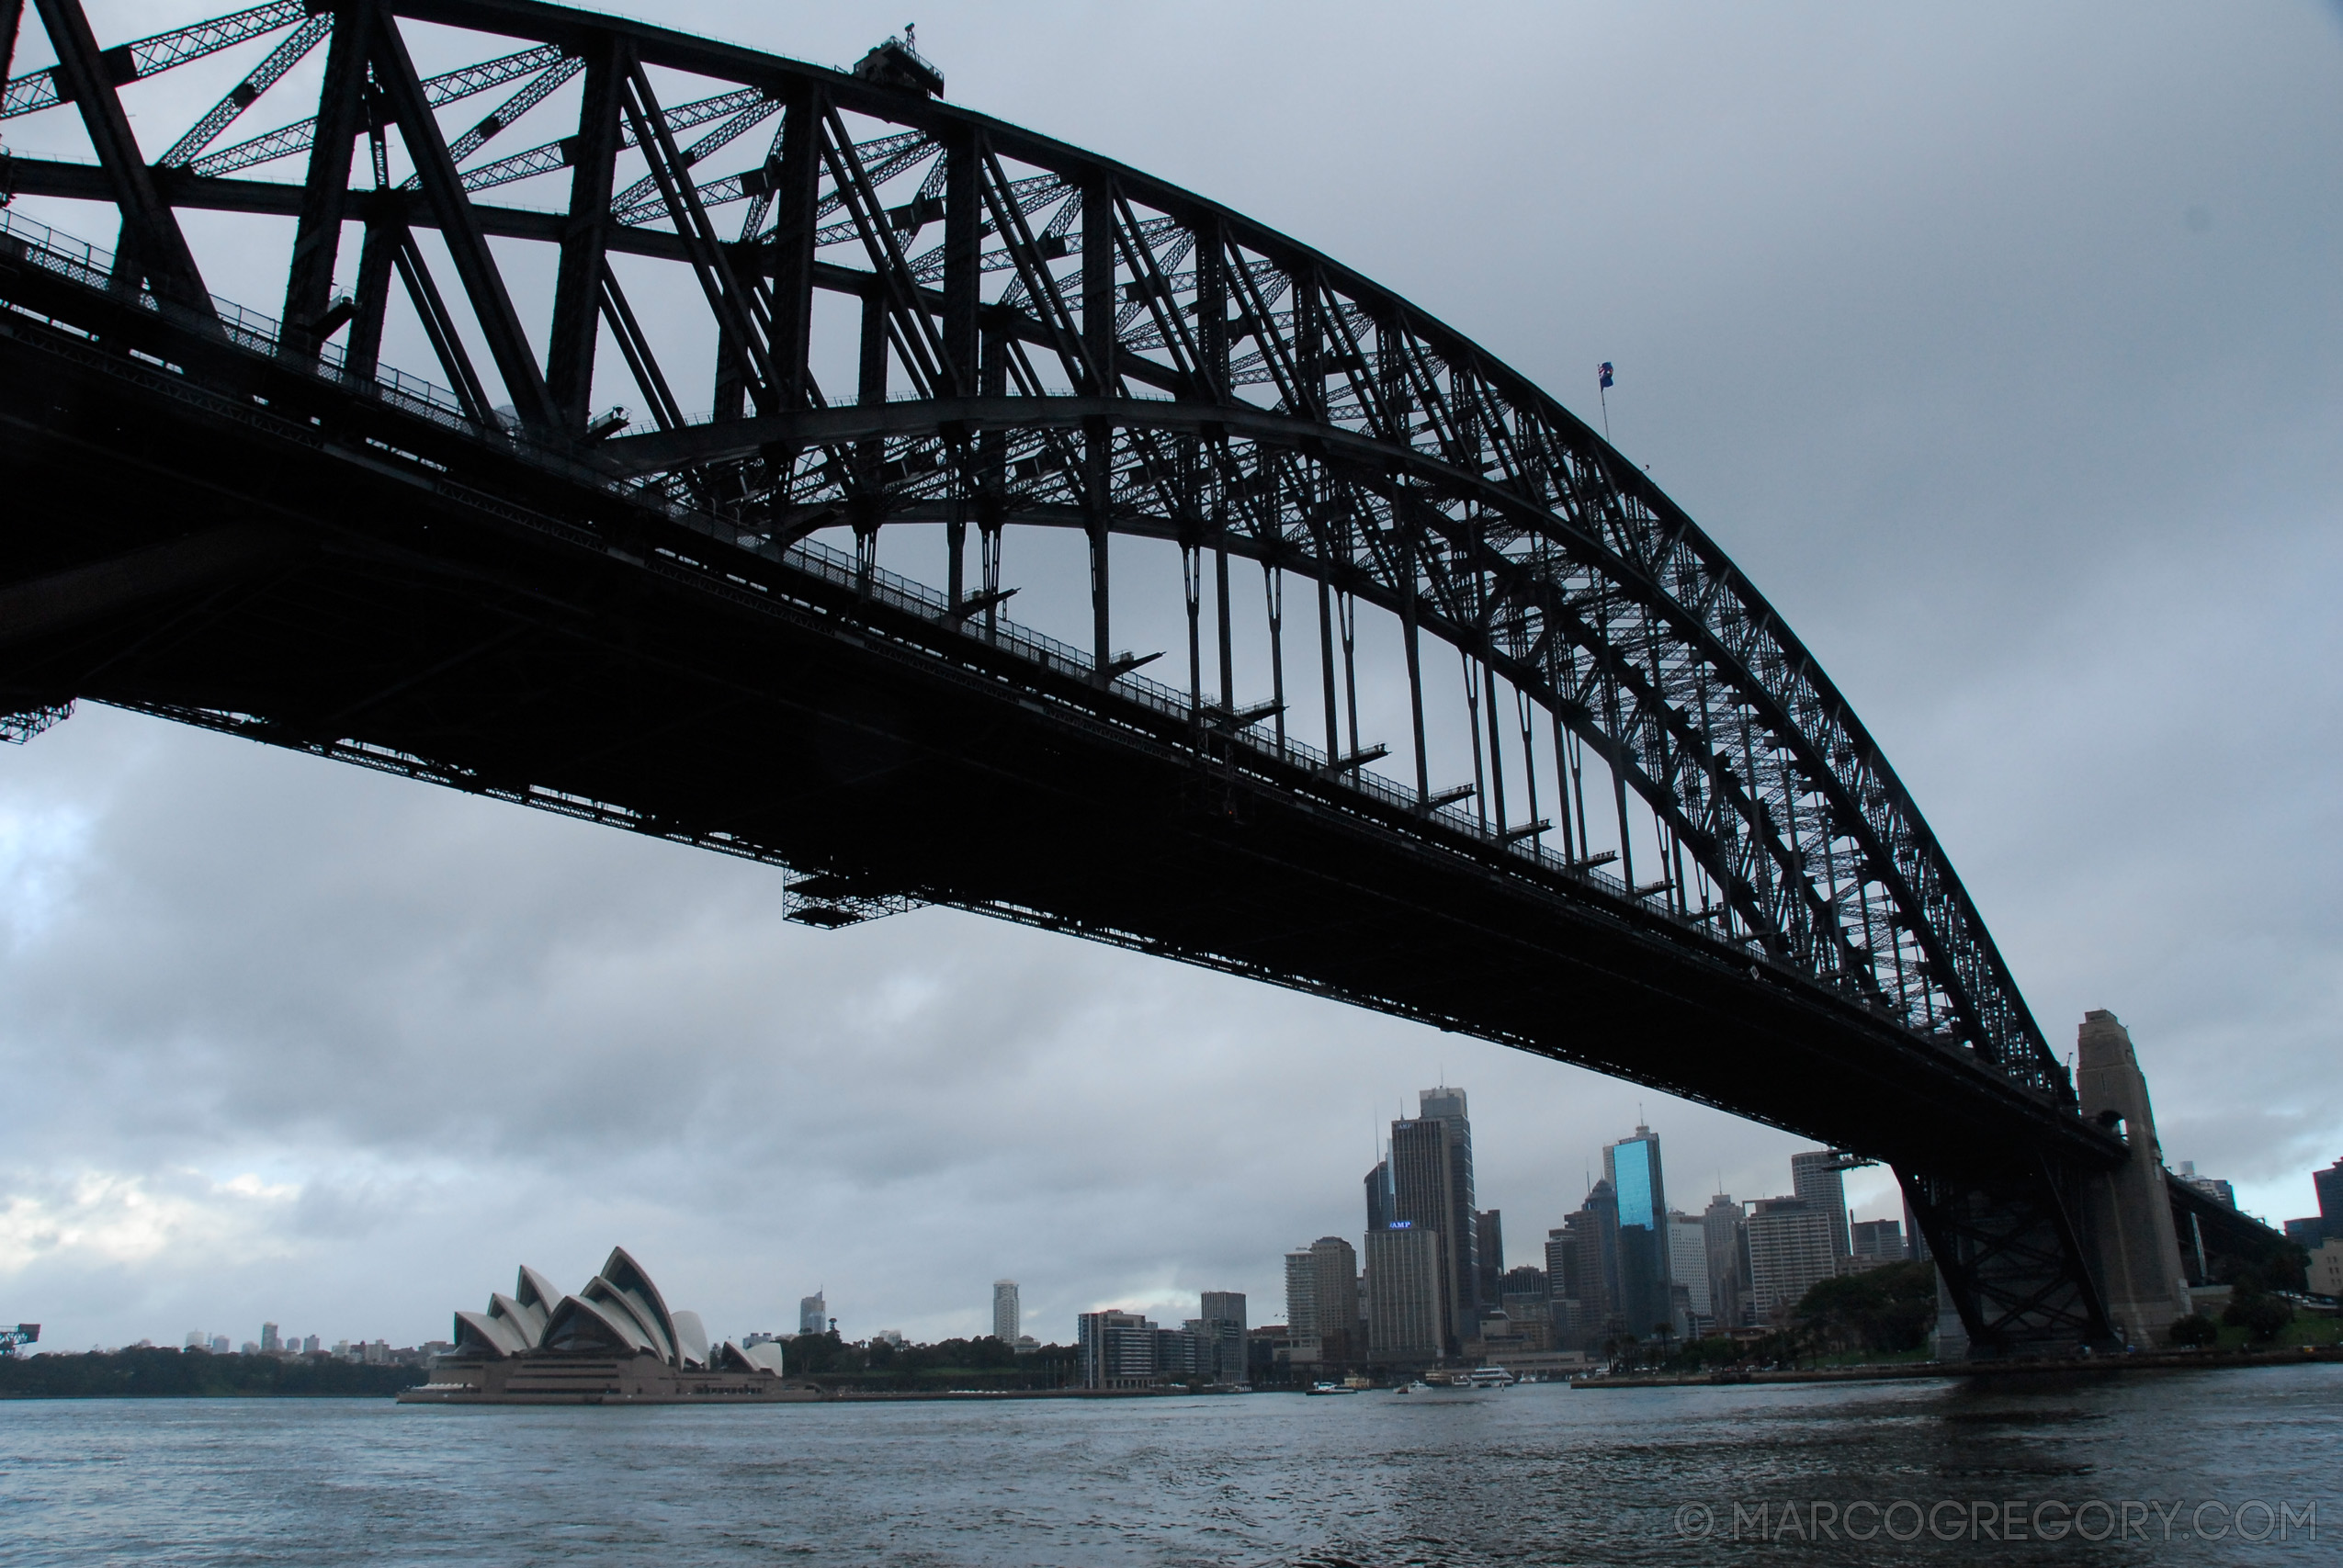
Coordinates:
1438 1389
1316 1389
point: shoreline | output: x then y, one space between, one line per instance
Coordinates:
2136 1361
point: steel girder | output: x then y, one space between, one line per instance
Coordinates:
1089 347
2012 1259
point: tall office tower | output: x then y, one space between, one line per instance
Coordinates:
1489 1247
1448 1105
2329 1183
1224 1319
813 1314
1379 1196
1632 1165
1561 1273
1593 1261
1815 1177
268 1337
1301 1303
196 1340
1561 1268
1006 1310
1729 1282
1408 1295
1423 1199
1334 1297
1790 1252
1688 1269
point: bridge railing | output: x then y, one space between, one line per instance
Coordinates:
26 240
30 240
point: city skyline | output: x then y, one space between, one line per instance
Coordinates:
1786 1241
815 1313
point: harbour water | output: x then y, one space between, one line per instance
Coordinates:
2154 1465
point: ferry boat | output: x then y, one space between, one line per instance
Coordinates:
1316 1389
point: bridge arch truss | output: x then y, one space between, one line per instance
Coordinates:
907 313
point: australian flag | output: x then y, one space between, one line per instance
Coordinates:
1602 374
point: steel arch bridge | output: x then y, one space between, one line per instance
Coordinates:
1681 858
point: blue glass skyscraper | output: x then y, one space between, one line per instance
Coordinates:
1632 1167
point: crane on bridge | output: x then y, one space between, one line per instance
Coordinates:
12 1339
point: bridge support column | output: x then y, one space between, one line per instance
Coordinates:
2009 1259
2127 1215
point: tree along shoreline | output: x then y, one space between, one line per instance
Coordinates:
146 1372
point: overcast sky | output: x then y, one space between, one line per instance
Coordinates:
1999 345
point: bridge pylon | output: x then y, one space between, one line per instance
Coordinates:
2127 1211
2041 1256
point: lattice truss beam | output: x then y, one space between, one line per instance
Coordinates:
1048 338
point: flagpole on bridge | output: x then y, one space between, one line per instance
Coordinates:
1602 391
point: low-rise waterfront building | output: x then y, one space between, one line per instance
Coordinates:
1877 1243
2326 1269
1116 1350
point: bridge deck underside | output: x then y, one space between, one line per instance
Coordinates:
434 614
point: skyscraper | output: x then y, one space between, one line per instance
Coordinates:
1815 1175
1590 1263
1688 1268
1632 1165
1561 1268
1223 1314
1432 1176
813 1314
1448 1105
1561 1273
1422 1186
1301 1303
1728 1284
1379 1196
1488 1251
1408 1291
1334 1293
1006 1310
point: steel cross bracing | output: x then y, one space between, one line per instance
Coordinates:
1086 347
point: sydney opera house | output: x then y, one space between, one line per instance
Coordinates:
614 1342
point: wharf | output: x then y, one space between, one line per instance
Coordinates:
2136 1361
